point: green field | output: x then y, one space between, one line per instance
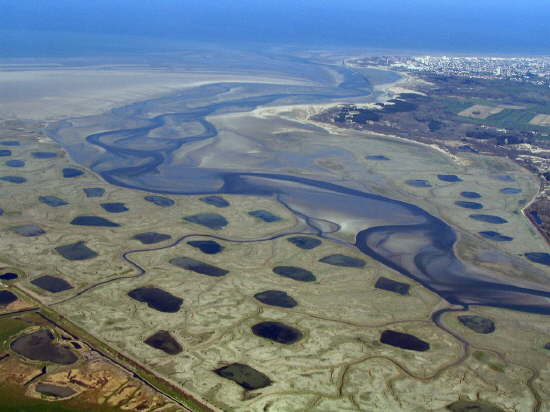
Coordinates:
517 119
13 399
8 328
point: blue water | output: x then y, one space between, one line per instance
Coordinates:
68 27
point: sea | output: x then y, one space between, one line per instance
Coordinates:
38 28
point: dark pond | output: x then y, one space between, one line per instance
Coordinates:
276 298
210 247
449 178
469 205
418 183
160 201
157 299
10 143
404 341
76 345
43 155
94 191
470 195
377 157
52 201
6 297
4 153
510 190
1 212
54 390
15 163
69 172
466 148
217 201
247 377
114 207
149 238
295 273
547 346
76 251
277 332
51 284
505 178
304 242
495 236
28 230
210 220
198 267
13 179
165 342
392 285
40 346
496 220
478 324
8 276
539 257
536 217
343 260
472 406
93 221
264 215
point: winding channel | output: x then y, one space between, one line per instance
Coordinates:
398 234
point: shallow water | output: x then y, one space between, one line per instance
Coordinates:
198 267
510 190
40 346
469 205
264 215
157 299
7 297
244 375
210 220
470 195
449 178
304 242
276 298
295 273
94 191
217 201
165 342
149 238
43 155
51 284
343 261
70 172
15 163
496 236
277 332
404 341
52 201
114 207
495 220
160 201
28 230
76 251
210 247
13 179
93 221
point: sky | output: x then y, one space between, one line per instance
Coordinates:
457 26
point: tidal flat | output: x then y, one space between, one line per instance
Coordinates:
310 177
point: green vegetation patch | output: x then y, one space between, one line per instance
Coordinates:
14 400
10 327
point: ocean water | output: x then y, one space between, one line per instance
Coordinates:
38 28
